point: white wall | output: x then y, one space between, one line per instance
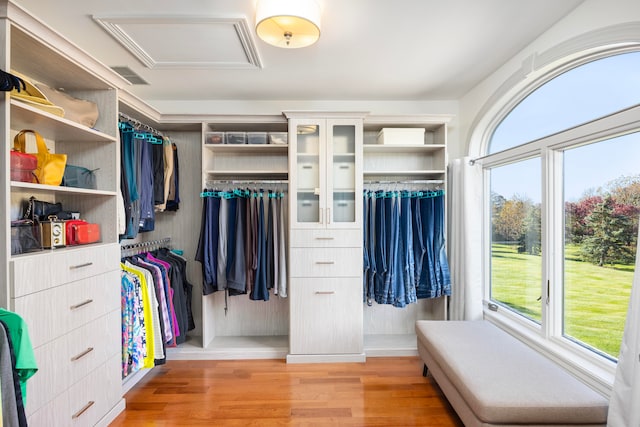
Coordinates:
591 16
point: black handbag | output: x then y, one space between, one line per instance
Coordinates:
25 236
37 210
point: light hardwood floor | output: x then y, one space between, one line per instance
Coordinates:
379 392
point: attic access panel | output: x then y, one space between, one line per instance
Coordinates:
185 41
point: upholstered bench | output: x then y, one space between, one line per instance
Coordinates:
493 379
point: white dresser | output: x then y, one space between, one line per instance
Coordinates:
72 308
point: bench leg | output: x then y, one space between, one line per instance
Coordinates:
425 370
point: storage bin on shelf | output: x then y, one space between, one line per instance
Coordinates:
401 136
214 138
280 138
256 137
236 137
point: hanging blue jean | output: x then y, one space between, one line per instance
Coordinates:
392 279
427 285
442 264
207 251
145 183
419 248
260 291
365 246
406 293
371 240
380 267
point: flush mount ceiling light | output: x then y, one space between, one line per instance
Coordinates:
288 23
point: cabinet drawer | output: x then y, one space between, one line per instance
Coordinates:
41 271
58 310
326 262
85 403
326 316
347 238
66 360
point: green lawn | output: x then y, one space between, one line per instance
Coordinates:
596 297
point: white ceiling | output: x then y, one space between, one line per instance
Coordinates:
368 49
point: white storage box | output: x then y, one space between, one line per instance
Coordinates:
344 210
308 210
401 136
308 175
280 138
344 177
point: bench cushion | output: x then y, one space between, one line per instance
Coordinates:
504 381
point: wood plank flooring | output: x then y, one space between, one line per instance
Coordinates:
379 392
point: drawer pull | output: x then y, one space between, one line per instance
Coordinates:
75 267
81 355
82 304
325 292
344 166
324 238
307 167
325 262
83 410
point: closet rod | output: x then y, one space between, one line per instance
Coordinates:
408 181
137 122
248 181
146 244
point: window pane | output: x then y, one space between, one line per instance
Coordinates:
601 198
580 95
516 262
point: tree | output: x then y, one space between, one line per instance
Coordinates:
510 220
576 214
530 240
612 237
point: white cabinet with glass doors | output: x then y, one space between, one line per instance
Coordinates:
325 220
325 164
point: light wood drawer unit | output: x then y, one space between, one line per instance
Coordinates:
44 270
314 238
326 262
77 354
326 320
86 402
55 311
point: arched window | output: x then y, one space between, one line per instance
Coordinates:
564 178
587 92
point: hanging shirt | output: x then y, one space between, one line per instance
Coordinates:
25 359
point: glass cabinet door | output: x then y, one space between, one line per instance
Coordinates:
308 184
342 142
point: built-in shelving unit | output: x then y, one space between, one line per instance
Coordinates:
69 296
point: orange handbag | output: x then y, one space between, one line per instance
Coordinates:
81 232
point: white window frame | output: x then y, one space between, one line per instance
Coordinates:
547 337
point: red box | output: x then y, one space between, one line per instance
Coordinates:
22 166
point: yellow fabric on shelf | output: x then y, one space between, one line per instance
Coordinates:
33 96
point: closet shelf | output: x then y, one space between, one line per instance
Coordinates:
58 189
404 172
379 148
50 126
274 174
247 148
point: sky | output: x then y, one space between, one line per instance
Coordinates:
582 94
